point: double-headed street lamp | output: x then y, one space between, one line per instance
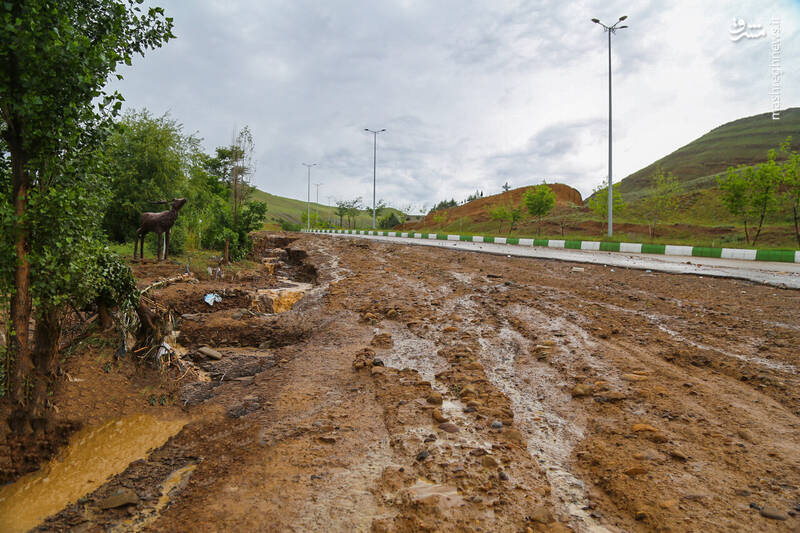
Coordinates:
308 215
374 166
610 30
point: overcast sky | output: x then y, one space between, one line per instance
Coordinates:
472 93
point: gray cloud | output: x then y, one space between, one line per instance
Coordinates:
472 93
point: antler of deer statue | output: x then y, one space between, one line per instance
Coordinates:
160 224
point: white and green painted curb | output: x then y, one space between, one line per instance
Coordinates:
785 256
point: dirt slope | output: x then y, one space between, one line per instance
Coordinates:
477 210
418 389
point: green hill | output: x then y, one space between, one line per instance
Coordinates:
743 141
292 211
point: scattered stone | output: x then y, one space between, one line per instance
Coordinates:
489 462
774 513
634 377
469 409
503 476
643 427
668 504
611 396
449 427
429 438
514 435
382 340
438 416
745 435
649 455
542 515
120 497
577 269
497 425
378 370
582 389
695 496
636 471
424 454
434 398
754 505
678 454
327 439
211 353
641 515
377 362
469 390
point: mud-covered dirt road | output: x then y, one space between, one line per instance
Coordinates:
420 389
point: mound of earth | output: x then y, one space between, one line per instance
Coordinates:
478 210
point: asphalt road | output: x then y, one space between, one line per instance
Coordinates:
777 274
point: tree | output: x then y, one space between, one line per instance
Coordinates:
341 211
790 181
750 192
389 221
539 201
54 63
440 218
663 198
241 169
599 203
506 187
148 159
565 215
503 213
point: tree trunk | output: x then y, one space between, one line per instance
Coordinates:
48 336
225 257
796 222
746 234
19 335
105 315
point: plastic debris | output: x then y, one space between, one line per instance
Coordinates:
211 298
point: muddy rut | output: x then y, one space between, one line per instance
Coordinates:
415 389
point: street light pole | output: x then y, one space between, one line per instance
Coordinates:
317 185
374 166
308 214
610 30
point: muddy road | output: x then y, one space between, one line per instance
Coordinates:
420 389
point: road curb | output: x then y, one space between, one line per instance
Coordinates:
784 256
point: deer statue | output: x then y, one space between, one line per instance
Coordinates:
158 223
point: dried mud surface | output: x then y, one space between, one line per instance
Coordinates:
417 389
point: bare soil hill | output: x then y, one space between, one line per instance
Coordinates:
478 210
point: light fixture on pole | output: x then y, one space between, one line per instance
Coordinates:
374 166
308 215
610 30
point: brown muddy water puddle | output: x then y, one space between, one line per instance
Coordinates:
92 456
284 298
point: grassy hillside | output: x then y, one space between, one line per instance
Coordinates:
696 165
291 210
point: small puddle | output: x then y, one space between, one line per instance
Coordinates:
448 496
283 299
92 456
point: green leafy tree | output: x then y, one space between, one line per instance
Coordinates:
751 192
565 215
663 199
539 201
790 178
389 221
55 61
440 217
341 211
599 203
503 213
148 159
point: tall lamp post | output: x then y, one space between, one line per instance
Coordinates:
308 215
374 166
610 30
318 185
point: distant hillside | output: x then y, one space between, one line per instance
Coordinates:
477 211
743 141
291 210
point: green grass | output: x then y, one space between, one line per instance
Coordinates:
743 141
289 209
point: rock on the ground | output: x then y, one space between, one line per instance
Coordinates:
774 513
120 497
209 352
